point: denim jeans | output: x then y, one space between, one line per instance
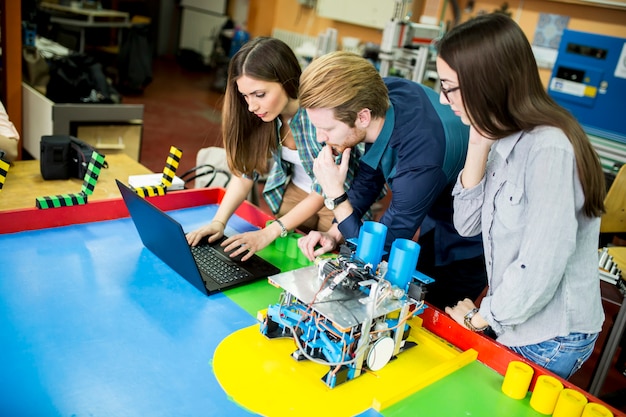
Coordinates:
561 355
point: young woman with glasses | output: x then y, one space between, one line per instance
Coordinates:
533 185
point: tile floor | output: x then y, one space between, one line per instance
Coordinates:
180 109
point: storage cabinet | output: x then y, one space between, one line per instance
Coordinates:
200 27
44 117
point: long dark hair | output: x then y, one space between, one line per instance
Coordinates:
248 140
503 94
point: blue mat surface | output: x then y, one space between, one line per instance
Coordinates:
93 324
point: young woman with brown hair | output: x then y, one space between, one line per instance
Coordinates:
533 185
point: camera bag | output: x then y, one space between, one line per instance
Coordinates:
64 156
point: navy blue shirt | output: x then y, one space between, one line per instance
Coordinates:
418 154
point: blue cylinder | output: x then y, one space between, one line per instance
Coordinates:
402 262
371 243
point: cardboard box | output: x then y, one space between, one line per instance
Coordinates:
111 139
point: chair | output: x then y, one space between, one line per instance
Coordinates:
212 170
614 220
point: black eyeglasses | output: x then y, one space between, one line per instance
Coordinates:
448 91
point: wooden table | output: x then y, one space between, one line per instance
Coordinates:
24 182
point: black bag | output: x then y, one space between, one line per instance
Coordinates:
55 157
79 78
64 157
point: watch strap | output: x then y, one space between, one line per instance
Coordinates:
343 197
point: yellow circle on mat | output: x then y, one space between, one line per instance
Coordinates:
261 375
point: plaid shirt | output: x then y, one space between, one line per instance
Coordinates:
308 148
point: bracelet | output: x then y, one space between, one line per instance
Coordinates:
283 229
220 222
467 320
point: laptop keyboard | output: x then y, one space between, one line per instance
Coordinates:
215 266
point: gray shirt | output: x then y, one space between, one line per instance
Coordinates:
541 251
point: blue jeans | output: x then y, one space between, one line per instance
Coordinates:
561 355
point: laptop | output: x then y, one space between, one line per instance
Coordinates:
165 237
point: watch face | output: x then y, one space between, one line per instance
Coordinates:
329 203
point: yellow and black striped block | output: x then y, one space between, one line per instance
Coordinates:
171 165
4 169
62 200
89 183
93 172
150 190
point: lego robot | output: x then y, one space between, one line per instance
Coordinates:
350 312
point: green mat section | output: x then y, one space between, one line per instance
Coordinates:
258 295
473 390
254 297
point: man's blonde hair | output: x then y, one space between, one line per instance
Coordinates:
346 83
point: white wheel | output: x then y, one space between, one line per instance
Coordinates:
380 353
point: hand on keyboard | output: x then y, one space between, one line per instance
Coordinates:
247 244
213 231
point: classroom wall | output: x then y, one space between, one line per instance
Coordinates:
582 18
264 15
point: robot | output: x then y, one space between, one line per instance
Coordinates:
350 312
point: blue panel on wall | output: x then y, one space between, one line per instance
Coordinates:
589 79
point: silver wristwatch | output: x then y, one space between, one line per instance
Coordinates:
283 229
467 320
